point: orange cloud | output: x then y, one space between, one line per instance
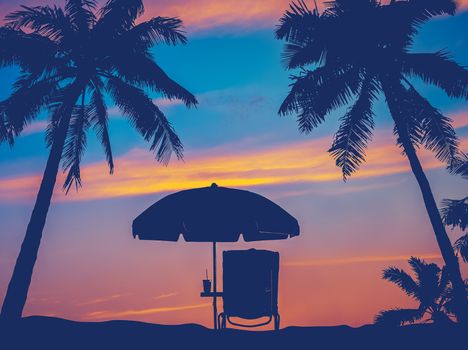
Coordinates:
142 312
460 119
137 173
165 296
357 260
204 14
101 300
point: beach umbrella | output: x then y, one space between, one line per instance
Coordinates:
215 214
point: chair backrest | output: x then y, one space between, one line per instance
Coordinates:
250 283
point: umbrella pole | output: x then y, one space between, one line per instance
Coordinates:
215 307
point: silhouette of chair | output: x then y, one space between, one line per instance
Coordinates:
250 283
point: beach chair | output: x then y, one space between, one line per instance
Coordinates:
250 287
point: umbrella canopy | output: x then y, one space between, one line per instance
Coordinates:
215 214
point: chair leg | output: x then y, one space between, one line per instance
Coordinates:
277 322
222 321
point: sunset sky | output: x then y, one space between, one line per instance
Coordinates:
91 269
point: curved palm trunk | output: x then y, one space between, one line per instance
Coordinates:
391 87
445 246
18 287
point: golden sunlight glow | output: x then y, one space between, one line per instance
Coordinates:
357 259
149 311
137 173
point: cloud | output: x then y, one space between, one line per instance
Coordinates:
35 127
101 300
141 312
165 296
460 119
337 191
357 260
206 14
137 173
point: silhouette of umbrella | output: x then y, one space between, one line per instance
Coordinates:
215 214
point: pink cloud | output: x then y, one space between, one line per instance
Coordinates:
205 14
460 119
35 127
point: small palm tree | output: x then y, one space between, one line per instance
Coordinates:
357 50
70 59
431 289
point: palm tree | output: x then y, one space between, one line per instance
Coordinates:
70 59
431 289
356 50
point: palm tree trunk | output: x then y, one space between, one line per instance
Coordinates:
394 101
18 287
445 246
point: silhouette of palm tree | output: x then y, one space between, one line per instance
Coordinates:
431 289
70 59
358 50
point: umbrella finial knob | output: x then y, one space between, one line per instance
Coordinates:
214 185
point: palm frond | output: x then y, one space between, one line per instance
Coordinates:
6 134
459 166
99 120
315 93
118 16
461 246
428 279
423 10
166 30
355 131
81 14
439 69
61 106
398 317
25 103
47 21
297 23
295 55
75 145
146 118
165 140
144 72
405 113
402 280
450 304
439 135
306 34
454 212
444 282
30 51
412 14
